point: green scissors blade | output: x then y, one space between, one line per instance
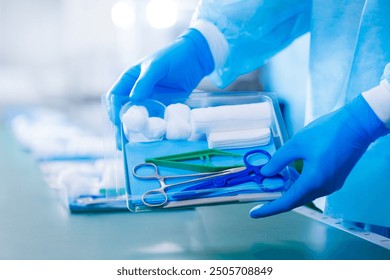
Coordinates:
199 161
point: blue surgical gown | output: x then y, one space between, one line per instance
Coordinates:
349 48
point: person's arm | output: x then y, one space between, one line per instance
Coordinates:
329 147
176 69
243 35
226 39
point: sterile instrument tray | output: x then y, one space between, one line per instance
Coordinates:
151 181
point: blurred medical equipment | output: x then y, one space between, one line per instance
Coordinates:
70 153
96 187
50 135
87 200
209 182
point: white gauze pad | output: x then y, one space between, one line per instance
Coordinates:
231 117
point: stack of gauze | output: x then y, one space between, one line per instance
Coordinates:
138 126
234 126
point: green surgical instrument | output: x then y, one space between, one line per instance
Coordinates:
200 161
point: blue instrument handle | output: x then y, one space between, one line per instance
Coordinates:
245 175
250 174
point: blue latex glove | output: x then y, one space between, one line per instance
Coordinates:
329 147
177 68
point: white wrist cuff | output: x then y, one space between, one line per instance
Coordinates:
379 100
217 42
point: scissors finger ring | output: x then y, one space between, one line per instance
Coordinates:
155 198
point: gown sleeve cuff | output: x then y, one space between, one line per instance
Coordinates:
379 100
217 42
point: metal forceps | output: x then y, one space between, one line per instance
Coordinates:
149 197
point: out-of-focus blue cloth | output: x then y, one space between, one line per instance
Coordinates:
386 73
350 47
254 30
343 65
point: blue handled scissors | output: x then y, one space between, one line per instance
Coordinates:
251 173
158 197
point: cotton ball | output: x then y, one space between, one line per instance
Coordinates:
156 128
135 118
178 129
140 109
177 111
78 183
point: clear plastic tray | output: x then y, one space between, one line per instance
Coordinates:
208 191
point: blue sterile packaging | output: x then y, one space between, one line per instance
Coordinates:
204 149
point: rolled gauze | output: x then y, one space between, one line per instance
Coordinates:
231 117
239 139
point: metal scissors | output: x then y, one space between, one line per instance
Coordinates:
158 197
251 173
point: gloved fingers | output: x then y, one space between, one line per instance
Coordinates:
297 195
126 81
151 74
119 92
280 159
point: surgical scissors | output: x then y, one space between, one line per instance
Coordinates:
250 173
209 182
149 197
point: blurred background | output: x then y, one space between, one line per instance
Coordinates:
76 49
72 51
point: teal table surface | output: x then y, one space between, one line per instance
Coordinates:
34 225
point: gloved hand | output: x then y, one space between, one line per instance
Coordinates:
329 147
177 68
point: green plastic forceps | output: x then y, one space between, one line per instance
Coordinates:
204 159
